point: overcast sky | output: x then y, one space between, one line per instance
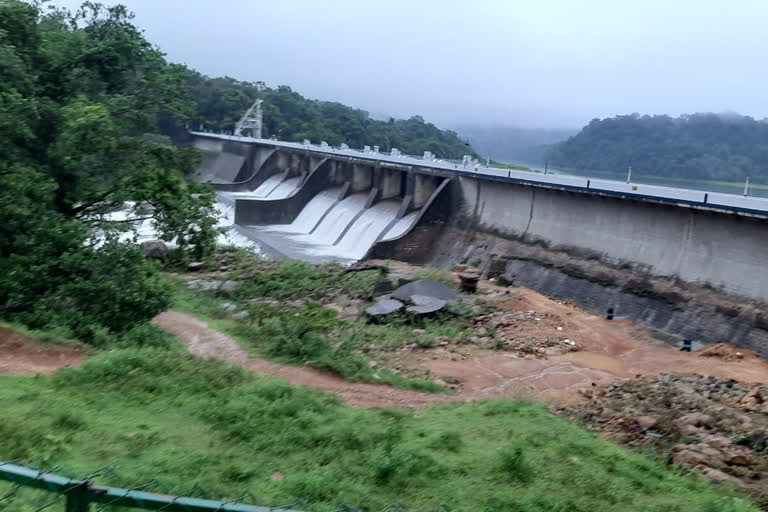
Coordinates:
543 63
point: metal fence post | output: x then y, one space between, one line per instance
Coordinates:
78 498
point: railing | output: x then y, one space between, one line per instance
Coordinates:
77 495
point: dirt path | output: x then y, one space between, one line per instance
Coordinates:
209 343
22 355
611 350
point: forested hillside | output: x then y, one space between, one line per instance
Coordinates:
698 146
290 116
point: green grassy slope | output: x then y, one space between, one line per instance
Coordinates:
158 414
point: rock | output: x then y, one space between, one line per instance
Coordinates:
718 477
469 282
696 419
228 287
607 413
240 315
740 458
384 307
496 268
154 249
440 382
276 476
419 332
646 422
382 288
195 266
204 285
717 442
424 305
373 364
756 440
228 306
688 458
506 279
425 288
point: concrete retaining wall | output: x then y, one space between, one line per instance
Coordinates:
722 250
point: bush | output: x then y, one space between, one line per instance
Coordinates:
299 336
153 371
148 336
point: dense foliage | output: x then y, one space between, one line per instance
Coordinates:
81 95
698 146
290 116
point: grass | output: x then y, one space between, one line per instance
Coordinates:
434 274
301 335
295 279
156 414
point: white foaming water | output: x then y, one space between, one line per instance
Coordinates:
268 186
233 237
334 224
285 189
226 214
363 233
401 227
308 218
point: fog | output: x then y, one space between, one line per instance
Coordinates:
542 63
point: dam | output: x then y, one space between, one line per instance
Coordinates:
685 262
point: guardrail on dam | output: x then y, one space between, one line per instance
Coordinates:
684 249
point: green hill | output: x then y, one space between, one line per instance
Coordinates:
720 147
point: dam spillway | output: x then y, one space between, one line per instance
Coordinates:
682 261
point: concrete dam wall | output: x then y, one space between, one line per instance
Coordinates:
681 268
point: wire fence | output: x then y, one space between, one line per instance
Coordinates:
27 489
24 489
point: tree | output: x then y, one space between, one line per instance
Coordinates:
82 97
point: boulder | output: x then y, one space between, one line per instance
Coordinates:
227 287
195 266
425 288
718 477
688 458
506 279
424 305
696 419
646 422
154 249
382 288
384 307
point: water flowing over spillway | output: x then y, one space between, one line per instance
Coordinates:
269 185
337 220
285 189
315 210
367 228
328 229
401 227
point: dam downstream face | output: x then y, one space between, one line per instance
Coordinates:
327 229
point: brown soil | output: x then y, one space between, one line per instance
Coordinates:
22 355
209 343
610 351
